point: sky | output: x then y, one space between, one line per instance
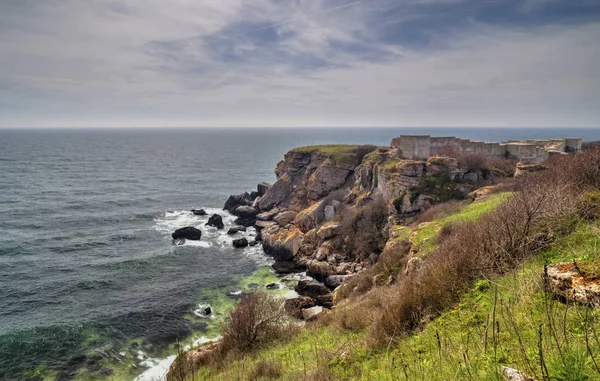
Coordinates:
279 63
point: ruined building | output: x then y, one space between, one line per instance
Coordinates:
421 147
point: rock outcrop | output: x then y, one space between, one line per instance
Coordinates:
281 243
574 282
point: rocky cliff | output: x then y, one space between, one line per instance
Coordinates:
331 209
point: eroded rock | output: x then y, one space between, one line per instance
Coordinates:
573 282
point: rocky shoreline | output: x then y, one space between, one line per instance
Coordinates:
301 220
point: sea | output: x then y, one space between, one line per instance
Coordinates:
91 284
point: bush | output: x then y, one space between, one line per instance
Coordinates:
364 229
268 370
523 226
588 206
438 211
257 319
481 162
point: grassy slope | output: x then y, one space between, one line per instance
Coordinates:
339 153
423 236
497 323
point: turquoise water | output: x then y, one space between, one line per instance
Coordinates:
90 283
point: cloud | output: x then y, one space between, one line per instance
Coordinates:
299 62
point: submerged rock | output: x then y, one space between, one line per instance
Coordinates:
189 232
216 221
236 229
199 212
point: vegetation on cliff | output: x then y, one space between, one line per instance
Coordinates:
456 292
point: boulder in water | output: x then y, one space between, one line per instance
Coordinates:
216 221
245 211
236 229
237 200
239 243
199 212
188 232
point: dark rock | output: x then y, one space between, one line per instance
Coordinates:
237 200
258 237
276 194
272 286
310 288
207 310
252 243
295 306
199 212
325 301
245 211
335 281
216 221
236 229
188 232
254 195
247 222
262 188
289 267
239 243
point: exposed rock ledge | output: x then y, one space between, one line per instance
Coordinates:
574 282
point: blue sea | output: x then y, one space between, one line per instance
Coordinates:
91 286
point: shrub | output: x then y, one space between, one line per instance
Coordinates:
439 211
266 369
588 205
481 162
257 319
364 229
521 227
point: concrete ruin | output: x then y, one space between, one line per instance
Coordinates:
421 147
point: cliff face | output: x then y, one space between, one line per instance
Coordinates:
308 174
331 209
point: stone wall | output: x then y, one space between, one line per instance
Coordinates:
420 147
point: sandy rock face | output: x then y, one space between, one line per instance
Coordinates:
568 281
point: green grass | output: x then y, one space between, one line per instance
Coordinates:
498 322
424 235
338 153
